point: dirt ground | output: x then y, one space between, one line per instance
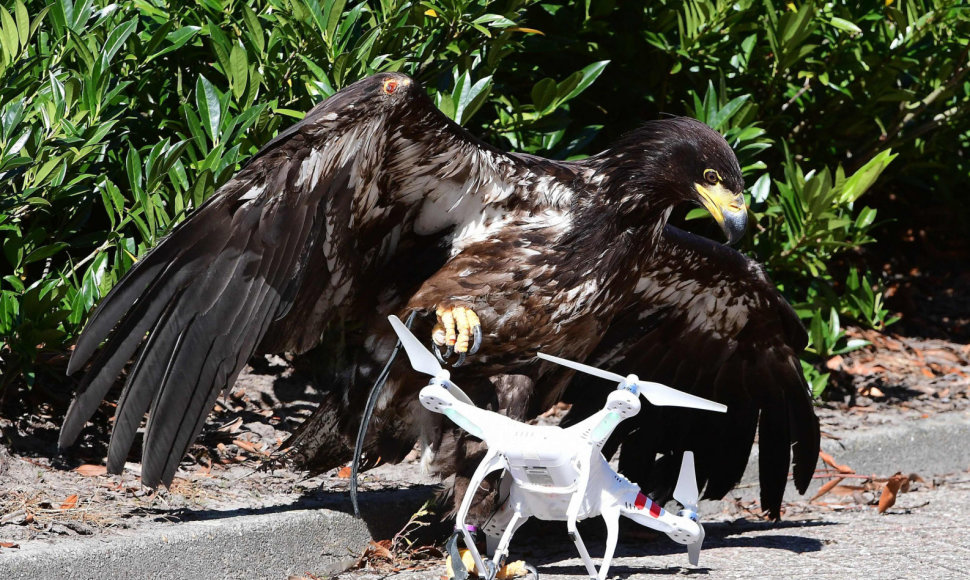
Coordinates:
46 496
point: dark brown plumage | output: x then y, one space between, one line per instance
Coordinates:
376 203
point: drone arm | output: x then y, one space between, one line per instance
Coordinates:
647 513
621 404
490 463
477 422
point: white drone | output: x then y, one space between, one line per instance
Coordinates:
560 474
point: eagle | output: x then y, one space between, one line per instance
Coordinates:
376 203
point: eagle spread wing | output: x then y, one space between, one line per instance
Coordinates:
376 203
708 321
315 228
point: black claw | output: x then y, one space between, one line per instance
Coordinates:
460 361
437 353
476 339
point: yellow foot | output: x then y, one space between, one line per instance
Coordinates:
458 330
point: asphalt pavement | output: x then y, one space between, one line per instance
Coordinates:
926 535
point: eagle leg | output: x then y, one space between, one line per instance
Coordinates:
459 330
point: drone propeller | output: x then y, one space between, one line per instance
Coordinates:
656 393
423 361
686 493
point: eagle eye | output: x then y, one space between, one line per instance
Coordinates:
712 176
390 85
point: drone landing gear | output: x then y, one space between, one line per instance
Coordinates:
492 462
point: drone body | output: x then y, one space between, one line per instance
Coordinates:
560 474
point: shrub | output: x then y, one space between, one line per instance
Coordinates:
116 119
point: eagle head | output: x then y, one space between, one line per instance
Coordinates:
676 160
378 94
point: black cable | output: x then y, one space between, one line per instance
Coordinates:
375 392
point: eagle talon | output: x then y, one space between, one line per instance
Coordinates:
476 339
443 359
460 330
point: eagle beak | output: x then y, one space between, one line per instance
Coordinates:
727 208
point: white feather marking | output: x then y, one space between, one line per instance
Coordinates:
577 299
253 193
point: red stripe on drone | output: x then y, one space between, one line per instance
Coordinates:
641 501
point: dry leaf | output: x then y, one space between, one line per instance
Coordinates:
380 549
233 426
89 470
246 446
834 363
831 463
344 472
9 545
826 488
888 497
70 503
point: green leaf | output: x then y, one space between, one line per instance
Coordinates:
117 39
332 16
210 112
843 24
8 33
471 98
15 282
865 176
176 40
588 76
761 188
255 29
544 94
724 114
13 249
202 189
45 252
133 168
494 21
220 45
23 22
239 70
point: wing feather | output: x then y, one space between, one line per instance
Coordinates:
302 235
709 322
211 349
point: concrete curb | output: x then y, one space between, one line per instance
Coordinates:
310 536
255 546
316 538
